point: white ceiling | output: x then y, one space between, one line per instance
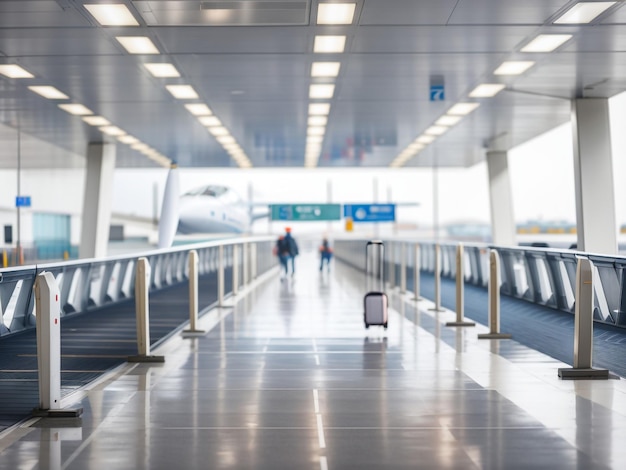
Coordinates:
254 73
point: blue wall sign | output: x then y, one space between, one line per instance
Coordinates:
22 201
370 212
437 93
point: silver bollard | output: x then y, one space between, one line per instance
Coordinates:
403 268
494 299
392 265
235 269
220 276
48 320
460 290
193 297
253 262
142 311
246 269
416 273
437 280
583 327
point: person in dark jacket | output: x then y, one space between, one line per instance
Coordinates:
326 253
293 249
282 251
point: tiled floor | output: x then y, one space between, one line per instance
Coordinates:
290 379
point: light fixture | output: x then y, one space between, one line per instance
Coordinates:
49 92
316 130
436 130
112 14
182 92
96 121
137 44
584 12
76 109
14 71
209 121
415 147
112 131
514 67
128 139
319 109
314 139
198 109
448 120
463 109
425 139
546 42
225 139
335 13
139 146
162 70
325 69
317 121
218 131
329 44
486 90
321 91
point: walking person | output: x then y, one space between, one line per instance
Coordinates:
326 253
293 249
282 251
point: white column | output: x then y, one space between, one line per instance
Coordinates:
500 199
593 176
97 201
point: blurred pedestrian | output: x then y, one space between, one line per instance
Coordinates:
282 251
293 249
326 253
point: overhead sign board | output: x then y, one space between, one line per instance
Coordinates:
22 201
437 93
305 212
370 212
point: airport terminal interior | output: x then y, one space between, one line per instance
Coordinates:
325 234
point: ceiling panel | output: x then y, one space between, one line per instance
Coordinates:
406 12
24 42
507 12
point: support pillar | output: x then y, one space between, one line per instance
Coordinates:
97 200
593 176
500 199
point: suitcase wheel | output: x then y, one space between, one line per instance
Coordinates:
366 326
385 325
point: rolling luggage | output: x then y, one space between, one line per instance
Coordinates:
375 303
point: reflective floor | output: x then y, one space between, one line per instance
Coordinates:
290 379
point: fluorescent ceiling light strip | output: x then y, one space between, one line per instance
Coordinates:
49 92
198 109
314 139
182 92
128 139
162 70
462 109
335 13
14 71
329 44
112 130
514 67
321 91
217 131
486 90
209 121
316 130
546 42
112 14
139 146
76 109
137 44
225 139
448 120
425 139
584 12
319 109
436 130
325 69
96 121
317 121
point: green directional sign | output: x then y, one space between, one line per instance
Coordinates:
306 212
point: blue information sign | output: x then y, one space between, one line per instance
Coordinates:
370 212
22 201
437 93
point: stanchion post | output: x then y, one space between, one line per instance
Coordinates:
142 311
583 327
246 257
49 348
493 290
460 290
235 269
416 273
403 268
193 296
437 280
220 276
392 265
253 261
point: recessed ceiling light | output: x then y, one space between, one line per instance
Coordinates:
514 67
182 92
96 121
321 91
139 146
49 92
415 147
112 130
425 139
448 120
463 109
546 42
112 14
137 44
319 109
128 139
335 13
486 90
225 139
584 12
314 139
198 109
317 120
162 70
436 130
76 109
209 121
329 44
217 131
14 71
325 69
316 130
